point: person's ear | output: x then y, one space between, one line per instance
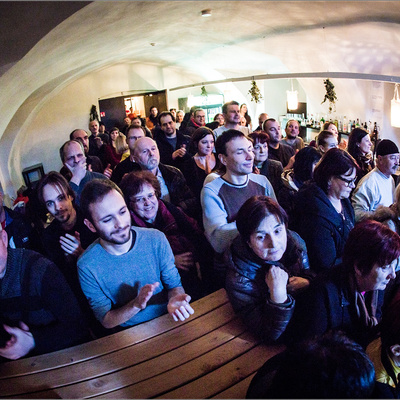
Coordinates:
222 158
89 225
4 237
395 350
321 149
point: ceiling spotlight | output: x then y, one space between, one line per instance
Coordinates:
206 13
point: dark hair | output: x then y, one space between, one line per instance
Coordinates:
226 137
114 128
322 136
164 114
330 366
54 178
229 103
260 137
334 162
132 183
71 135
152 108
93 192
354 139
216 115
253 211
135 127
390 326
303 163
326 125
267 120
370 243
199 134
67 143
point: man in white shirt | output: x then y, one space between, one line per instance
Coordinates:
377 187
231 113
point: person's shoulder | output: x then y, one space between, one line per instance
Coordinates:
148 238
287 148
169 169
97 175
91 253
258 178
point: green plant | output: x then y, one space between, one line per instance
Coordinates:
330 95
204 91
93 114
255 92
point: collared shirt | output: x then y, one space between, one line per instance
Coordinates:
164 189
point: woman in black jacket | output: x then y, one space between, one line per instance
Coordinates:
268 265
323 215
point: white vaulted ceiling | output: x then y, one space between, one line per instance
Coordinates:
47 45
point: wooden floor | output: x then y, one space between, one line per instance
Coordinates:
210 355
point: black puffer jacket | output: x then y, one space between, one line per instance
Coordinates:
249 294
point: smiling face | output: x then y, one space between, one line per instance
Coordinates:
332 128
205 145
240 156
111 218
200 117
145 203
269 240
365 144
58 204
341 187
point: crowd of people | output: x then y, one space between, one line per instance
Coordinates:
146 217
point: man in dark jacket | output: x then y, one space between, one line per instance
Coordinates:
39 307
173 184
172 145
198 120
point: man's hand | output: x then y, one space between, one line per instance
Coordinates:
343 144
144 295
296 283
20 344
184 261
180 152
276 279
291 162
71 244
179 307
78 171
108 171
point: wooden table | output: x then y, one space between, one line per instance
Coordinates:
210 355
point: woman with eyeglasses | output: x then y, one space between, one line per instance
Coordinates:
323 215
193 254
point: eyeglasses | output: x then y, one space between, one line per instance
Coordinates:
347 182
142 200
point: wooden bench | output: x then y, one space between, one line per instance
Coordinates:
211 354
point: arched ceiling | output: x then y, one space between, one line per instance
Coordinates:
45 45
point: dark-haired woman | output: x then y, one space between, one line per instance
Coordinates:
323 215
349 297
201 164
268 265
360 148
293 179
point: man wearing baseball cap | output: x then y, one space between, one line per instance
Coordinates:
377 187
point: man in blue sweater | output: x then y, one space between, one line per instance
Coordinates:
128 275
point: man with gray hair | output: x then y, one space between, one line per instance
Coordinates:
377 187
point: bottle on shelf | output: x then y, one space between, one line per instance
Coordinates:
365 126
349 126
345 124
340 125
336 122
322 121
357 124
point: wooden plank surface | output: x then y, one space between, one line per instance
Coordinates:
118 360
237 391
109 343
188 371
226 376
